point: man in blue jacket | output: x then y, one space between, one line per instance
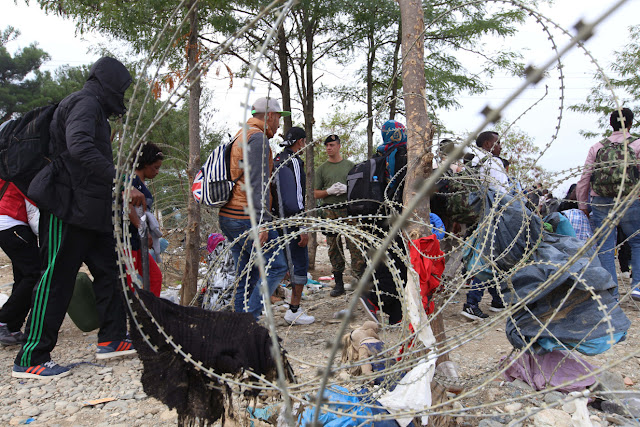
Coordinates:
74 194
290 188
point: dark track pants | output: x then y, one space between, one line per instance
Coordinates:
64 247
624 251
21 246
387 290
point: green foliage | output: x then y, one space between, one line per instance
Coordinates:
452 27
140 22
623 83
19 94
353 144
66 80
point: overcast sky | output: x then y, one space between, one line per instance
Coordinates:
58 37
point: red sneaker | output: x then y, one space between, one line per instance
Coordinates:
110 349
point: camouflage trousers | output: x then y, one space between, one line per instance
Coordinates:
336 248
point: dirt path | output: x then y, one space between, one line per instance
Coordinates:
308 350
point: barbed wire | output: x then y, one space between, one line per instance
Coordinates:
406 347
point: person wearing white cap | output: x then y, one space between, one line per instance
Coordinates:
234 216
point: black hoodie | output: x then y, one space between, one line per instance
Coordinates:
77 186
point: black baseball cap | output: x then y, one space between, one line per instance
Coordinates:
293 134
332 138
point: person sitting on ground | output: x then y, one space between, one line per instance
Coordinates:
148 167
290 190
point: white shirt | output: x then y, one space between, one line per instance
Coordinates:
33 216
492 170
7 222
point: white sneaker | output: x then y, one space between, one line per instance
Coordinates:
635 294
298 318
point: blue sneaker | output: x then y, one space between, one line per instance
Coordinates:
47 370
110 349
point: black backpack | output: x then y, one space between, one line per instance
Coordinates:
24 146
365 186
368 182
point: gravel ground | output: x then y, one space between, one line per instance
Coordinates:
61 402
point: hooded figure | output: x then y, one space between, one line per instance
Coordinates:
77 186
114 79
74 195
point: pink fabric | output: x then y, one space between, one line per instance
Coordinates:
583 187
213 241
550 370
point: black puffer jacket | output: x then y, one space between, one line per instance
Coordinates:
76 186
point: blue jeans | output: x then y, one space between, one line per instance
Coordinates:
629 223
300 261
243 253
474 296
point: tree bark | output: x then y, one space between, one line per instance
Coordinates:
285 89
308 107
371 58
192 240
419 128
393 102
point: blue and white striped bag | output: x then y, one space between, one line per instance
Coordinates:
212 185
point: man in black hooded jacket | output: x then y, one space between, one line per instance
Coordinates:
74 194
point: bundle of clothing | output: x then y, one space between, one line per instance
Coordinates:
226 342
217 292
577 310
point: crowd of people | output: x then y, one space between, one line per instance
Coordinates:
73 196
583 209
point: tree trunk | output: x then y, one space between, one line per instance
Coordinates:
192 241
393 102
283 59
308 106
371 58
419 128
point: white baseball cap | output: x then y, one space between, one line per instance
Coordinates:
268 105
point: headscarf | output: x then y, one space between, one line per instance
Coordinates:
394 134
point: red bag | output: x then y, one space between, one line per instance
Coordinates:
428 261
